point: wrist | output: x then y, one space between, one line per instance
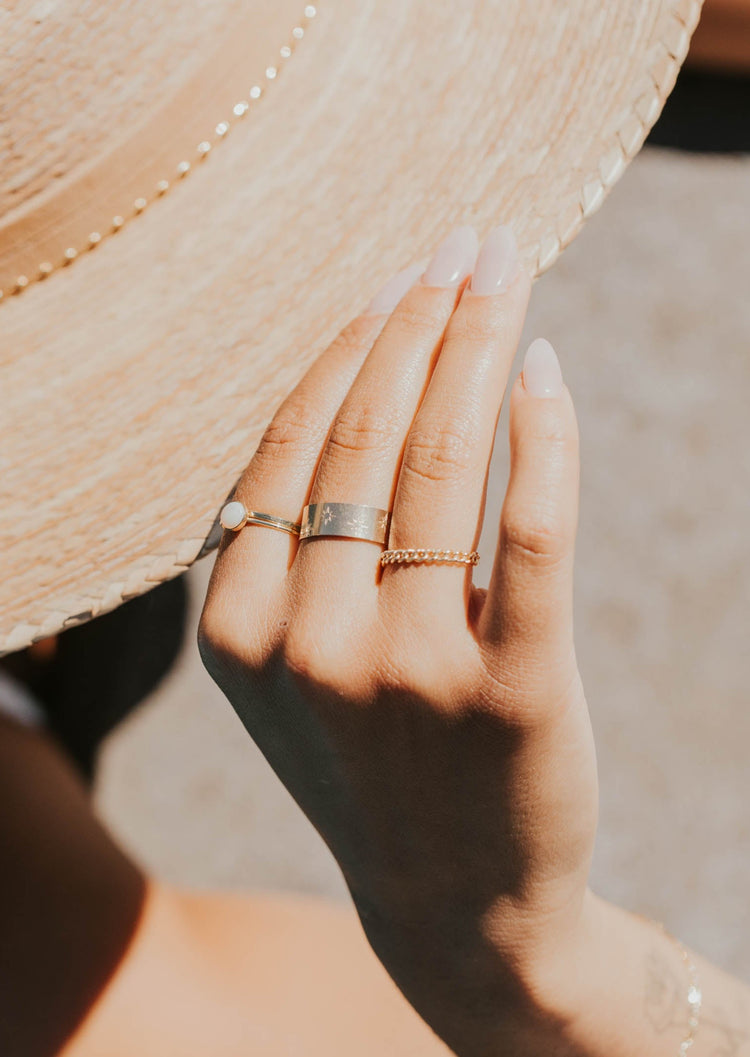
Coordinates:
621 987
502 983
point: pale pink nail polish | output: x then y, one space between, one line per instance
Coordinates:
454 259
389 295
497 263
541 370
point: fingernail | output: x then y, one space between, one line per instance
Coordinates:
541 370
389 295
497 264
454 258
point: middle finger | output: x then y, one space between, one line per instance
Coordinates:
359 463
440 496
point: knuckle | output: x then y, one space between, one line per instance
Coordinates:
418 317
533 536
310 660
356 336
398 676
362 428
234 639
352 343
422 666
522 689
438 452
294 428
507 710
474 325
509 682
217 643
551 430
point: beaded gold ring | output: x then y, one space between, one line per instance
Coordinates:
429 557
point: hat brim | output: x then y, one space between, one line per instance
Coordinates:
136 383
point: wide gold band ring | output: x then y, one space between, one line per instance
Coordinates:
235 515
349 520
431 557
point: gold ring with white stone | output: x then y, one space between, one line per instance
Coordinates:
235 515
350 520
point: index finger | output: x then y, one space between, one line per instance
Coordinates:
278 478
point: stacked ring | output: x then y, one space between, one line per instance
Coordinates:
432 557
235 515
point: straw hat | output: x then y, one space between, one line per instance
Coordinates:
195 197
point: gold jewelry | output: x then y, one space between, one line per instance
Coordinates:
350 520
235 515
694 995
418 557
66 257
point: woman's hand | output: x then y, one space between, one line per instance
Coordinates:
437 736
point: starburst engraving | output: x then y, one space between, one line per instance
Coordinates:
355 523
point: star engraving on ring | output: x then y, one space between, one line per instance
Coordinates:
356 524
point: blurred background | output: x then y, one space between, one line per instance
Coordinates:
650 314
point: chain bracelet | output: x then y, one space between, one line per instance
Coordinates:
694 995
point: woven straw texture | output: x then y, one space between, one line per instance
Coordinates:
136 382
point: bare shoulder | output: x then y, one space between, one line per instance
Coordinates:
235 974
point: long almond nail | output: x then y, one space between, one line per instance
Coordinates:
541 370
389 295
497 264
454 259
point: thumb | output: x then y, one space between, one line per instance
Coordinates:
527 621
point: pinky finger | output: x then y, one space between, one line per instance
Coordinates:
527 619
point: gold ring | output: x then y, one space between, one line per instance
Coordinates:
417 557
345 519
235 515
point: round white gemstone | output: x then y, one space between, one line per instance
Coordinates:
233 516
